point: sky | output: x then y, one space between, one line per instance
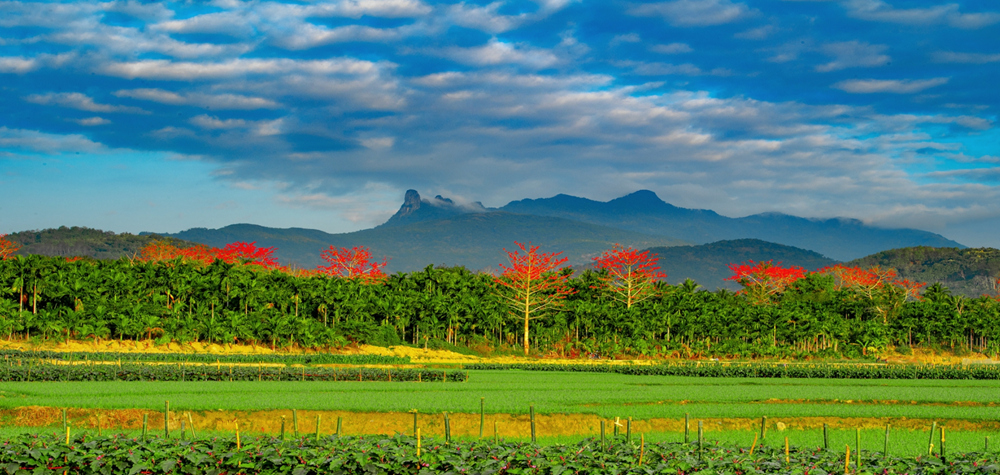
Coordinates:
162 116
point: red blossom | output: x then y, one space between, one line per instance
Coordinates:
234 253
353 263
764 280
248 254
631 273
7 247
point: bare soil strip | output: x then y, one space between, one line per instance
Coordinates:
848 402
355 423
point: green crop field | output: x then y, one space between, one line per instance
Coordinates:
730 407
606 395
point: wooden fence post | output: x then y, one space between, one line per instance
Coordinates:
687 428
604 445
531 410
885 445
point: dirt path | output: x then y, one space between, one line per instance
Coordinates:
433 424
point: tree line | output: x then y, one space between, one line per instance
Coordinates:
242 301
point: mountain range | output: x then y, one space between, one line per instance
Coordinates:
693 243
643 212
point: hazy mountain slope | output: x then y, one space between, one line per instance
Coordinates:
86 242
708 264
644 212
969 272
473 240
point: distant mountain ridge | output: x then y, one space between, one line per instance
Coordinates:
643 211
473 240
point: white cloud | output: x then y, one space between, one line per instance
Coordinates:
379 8
894 86
190 71
213 123
852 54
667 69
208 101
379 143
694 12
35 141
625 38
672 48
17 65
497 52
946 14
310 36
967 58
256 127
232 23
76 100
484 18
759 33
92 121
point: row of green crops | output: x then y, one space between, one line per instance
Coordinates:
180 372
767 370
398 455
304 359
221 303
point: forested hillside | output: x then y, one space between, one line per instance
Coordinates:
85 242
708 264
969 272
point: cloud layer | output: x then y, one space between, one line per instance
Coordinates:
881 110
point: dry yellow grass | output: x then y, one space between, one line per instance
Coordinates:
462 424
417 355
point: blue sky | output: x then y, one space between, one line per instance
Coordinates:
135 116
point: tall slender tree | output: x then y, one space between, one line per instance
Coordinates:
531 284
632 274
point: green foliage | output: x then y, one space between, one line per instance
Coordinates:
288 359
48 298
767 370
42 371
398 455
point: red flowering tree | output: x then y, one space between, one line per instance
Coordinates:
158 251
353 263
248 254
530 285
881 287
7 247
234 253
632 274
764 281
